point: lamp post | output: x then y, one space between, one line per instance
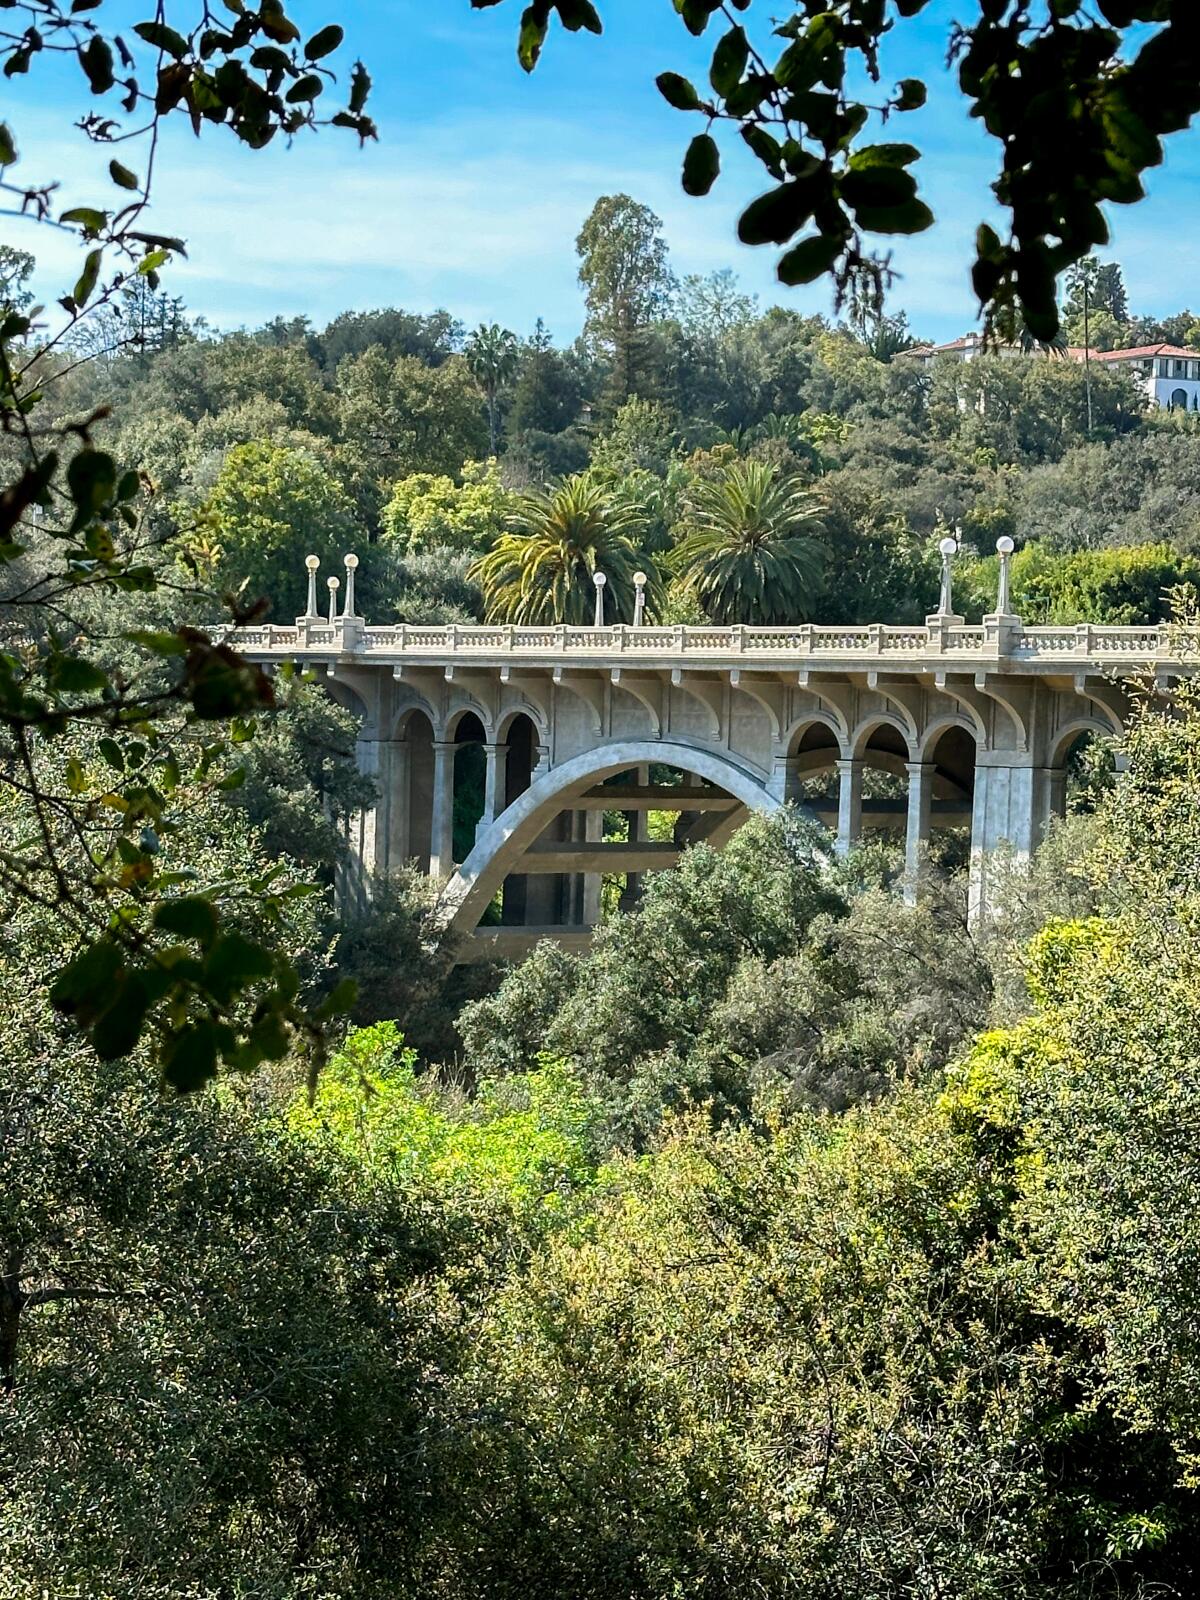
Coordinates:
639 598
599 580
351 568
1004 549
949 549
312 563
334 585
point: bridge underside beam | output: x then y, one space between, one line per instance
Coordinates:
882 813
514 944
654 797
584 856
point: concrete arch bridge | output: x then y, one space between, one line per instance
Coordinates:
499 752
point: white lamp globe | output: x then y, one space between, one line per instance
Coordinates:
948 546
1005 545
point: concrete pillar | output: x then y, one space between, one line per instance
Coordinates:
916 842
367 835
494 785
1008 816
441 841
850 786
784 783
593 832
639 831
1056 781
399 801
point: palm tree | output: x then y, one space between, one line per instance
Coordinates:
491 354
750 554
540 570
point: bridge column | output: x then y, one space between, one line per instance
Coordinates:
785 778
398 787
593 832
920 804
1008 816
638 823
494 784
1056 778
850 787
441 840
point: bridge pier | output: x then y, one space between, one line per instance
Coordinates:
917 825
850 804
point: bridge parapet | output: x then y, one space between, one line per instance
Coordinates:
929 646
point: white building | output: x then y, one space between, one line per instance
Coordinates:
1168 374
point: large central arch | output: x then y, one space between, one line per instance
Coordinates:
499 849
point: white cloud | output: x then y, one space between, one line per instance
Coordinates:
479 214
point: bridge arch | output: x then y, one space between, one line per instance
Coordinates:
1068 735
793 737
874 723
500 847
535 715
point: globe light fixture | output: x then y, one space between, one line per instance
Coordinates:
640 581
599 580
949 549
1004 549
351 564
312 563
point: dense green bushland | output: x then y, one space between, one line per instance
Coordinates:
780 1274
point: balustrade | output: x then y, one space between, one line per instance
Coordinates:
803 642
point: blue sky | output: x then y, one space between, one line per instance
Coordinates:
473 196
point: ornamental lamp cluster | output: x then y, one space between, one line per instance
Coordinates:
333 584
640 580
948 548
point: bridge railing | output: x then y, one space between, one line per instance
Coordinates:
350 637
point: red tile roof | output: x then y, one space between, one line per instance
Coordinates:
1144 350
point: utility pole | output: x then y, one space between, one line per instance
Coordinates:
1087 344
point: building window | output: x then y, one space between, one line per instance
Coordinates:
1179 398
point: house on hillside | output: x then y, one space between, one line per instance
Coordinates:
1169 374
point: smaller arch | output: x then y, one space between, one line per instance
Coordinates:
1066 736
417 705
349 699
934 730
871 724
796 731
772 698
413 837
458 715
647 695
532 714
